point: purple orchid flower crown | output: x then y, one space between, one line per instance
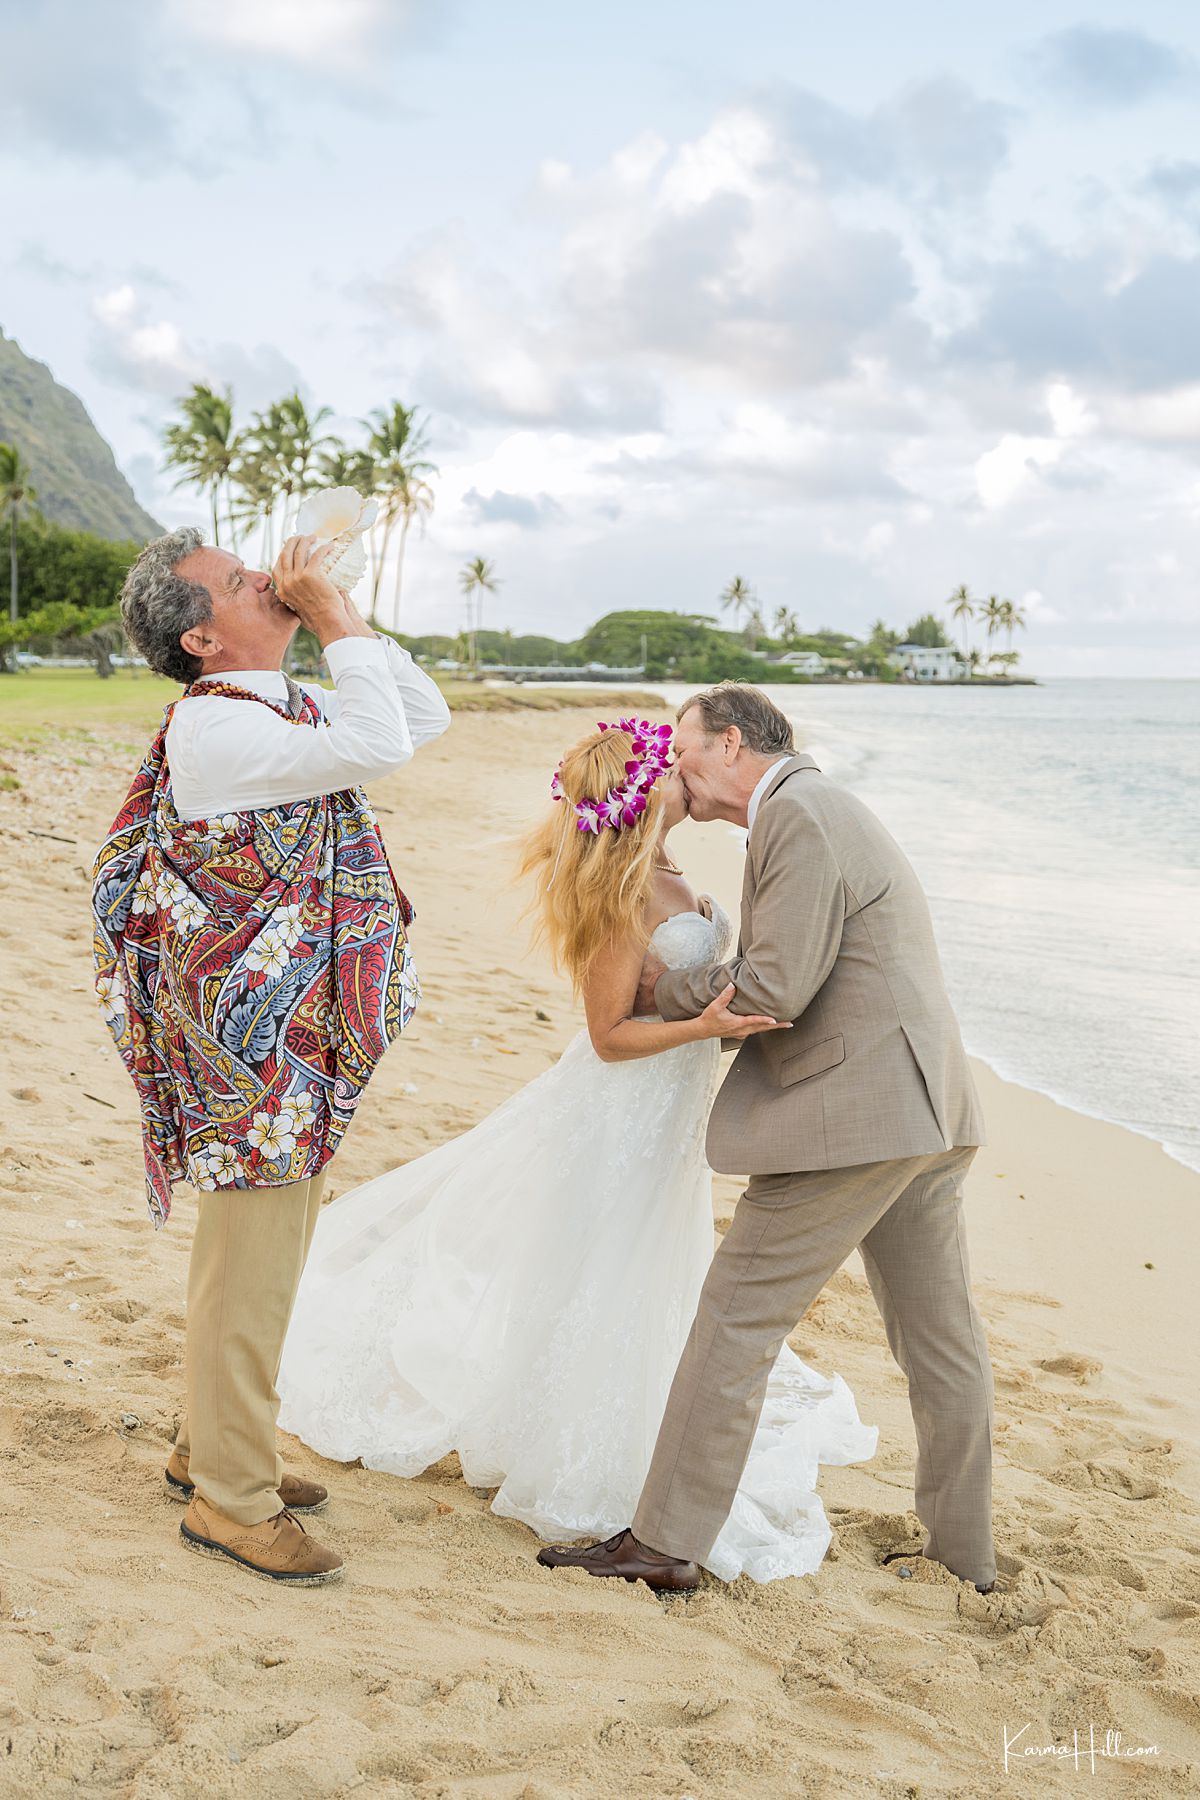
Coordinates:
624 804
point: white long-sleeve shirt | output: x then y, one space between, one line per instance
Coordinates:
234 755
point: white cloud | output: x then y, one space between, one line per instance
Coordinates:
343 36
153 357
1002 471
1171 416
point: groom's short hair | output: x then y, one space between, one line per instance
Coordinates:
764 729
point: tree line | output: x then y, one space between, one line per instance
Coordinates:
253 478
63 586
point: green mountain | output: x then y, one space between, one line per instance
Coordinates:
75 473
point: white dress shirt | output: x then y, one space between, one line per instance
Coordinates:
236 756
765 780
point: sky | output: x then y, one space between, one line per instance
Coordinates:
858 303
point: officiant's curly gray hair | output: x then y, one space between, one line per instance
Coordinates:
158 605
764 729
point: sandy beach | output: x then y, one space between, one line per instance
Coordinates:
448 1664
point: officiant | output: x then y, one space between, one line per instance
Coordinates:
252 960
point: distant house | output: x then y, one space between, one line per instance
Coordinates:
805 662
920 663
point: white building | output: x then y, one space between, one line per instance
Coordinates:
805 662
920 663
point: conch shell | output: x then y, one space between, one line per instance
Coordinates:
340 516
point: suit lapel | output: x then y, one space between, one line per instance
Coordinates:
794 763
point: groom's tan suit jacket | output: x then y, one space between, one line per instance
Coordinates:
836 937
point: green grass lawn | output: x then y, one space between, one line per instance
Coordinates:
37 703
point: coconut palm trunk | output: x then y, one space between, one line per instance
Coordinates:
13 608
400 570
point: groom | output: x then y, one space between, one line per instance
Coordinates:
856 1127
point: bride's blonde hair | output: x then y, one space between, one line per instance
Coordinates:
590 889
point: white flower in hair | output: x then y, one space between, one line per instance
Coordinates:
340 516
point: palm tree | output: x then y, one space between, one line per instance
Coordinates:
974 661
202 445
299 446
992 614
414 499
279 462
1013 620
15 486
340 465
476 578
962 607
787 626
737 597
253 496
397 444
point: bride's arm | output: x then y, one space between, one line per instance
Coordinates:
608 997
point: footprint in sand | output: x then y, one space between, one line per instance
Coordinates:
1115 1479
1079 1367
128 1311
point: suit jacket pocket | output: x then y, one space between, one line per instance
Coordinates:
813 1061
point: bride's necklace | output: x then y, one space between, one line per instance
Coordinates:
668 868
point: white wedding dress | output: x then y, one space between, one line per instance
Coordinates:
522 1295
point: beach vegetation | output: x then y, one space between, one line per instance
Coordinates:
16 490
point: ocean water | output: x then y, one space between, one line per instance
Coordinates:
1056 830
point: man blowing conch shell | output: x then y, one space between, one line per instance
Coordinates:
253 965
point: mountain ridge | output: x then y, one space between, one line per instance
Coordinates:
71 465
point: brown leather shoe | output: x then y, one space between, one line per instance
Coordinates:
295 1494
624 1556
277 1550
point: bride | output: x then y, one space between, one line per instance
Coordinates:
522 1294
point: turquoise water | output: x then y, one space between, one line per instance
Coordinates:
1057 832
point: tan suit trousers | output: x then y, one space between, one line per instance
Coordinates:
790 1234
248 1253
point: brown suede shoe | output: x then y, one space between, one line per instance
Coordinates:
295 1494
624 1556
277 1550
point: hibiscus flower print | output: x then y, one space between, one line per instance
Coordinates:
285 925
169 890
410 987
268 952
214 1166
143 893
189 914
223 1164
301 1109
111 998
272 1135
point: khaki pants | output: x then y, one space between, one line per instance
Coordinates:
248 1252
790 1234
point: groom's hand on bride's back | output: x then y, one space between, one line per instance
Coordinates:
721 1023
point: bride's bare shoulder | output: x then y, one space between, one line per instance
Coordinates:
669 894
